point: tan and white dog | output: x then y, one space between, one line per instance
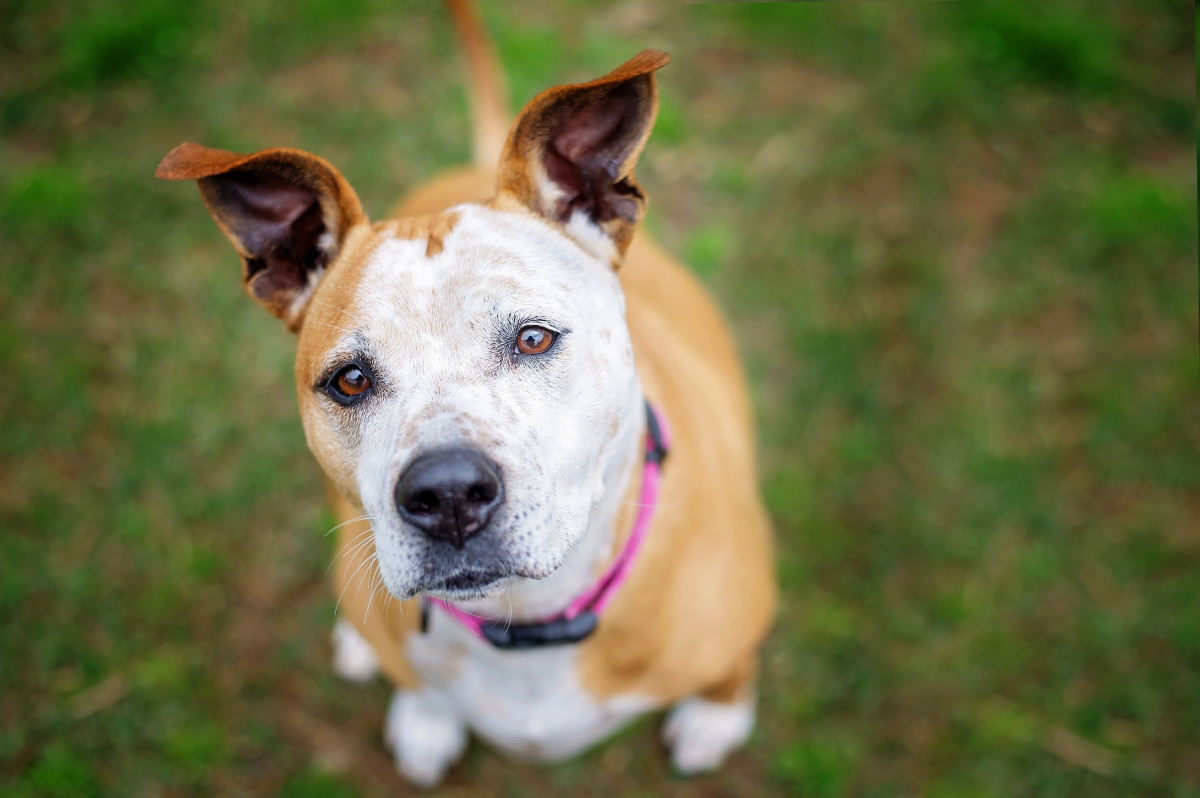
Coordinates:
473 378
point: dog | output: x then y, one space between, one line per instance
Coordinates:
534 428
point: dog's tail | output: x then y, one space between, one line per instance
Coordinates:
487 90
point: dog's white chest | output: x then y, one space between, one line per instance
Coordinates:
529 703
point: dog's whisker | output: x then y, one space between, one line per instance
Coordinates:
351 548
364 517
368 575
355 542
368 580
374 588
393 601
389 600
370 530
356 546
385 595
348 581
348 521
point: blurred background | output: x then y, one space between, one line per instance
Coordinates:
958 245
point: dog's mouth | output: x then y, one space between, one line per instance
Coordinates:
467 584
487 566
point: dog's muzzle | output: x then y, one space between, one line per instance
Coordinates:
450 494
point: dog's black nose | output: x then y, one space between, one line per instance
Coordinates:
450 494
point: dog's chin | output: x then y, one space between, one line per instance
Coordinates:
468 575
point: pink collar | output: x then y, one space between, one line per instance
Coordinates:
579 619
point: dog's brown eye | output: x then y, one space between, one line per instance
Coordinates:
351 382
534 340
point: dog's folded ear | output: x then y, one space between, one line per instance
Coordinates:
286 211
570 155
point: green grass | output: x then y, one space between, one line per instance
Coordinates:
958 245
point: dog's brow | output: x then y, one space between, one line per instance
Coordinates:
353 345
333 327
338 309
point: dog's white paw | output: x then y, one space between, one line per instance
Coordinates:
425 735
701 733
353 658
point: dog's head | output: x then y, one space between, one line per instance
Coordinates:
466 378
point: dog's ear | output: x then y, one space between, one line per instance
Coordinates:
572 151
286 211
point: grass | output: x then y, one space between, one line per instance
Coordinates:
958 245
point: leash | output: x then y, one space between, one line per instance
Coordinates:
579 619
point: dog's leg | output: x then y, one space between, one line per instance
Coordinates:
353 658
701 733
425 735
703 729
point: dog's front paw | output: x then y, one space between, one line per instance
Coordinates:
353 658
701 733
425 735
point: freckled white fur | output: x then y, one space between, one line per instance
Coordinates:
564 435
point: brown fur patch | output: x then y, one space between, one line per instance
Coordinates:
432 229
735 687
686 622
332 312
356 581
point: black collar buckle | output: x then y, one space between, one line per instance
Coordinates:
657 451
560 631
